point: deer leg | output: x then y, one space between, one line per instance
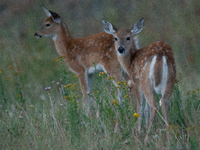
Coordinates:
149 93
147 114
140 103
89 81
83 86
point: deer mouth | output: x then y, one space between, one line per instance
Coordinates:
37 36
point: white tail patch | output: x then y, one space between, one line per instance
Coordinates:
161 87
151 74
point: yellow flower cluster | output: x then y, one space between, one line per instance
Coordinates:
125 96
71 98
193 92
117 87
95 92
122 83
68 98
18 95
70 85
115 102
73 86
0 71
177 81
110 77
136 115
75 76
101 74
59 58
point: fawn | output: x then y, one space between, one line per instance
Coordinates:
152 70
82 53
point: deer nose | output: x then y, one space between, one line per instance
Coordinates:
121 49
36 35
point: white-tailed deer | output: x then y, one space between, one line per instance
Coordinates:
151 68
81 53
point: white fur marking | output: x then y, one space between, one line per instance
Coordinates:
136 42
151 76
99 68
161 87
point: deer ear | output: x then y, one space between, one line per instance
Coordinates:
108 27
56 18
47 12
138 26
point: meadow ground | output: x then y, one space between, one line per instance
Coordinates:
34 118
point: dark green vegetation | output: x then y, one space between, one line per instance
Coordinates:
30 120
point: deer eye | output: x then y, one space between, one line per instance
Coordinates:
48 25
128 38
115 39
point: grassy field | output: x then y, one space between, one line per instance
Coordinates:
34 118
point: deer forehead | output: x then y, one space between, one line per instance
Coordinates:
122 33
48 20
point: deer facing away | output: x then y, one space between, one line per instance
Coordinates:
152 70
81 53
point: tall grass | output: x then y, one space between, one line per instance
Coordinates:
32 118
59 121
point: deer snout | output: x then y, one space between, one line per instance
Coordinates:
121 49
37 36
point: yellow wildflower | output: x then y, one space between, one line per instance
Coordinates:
136 115
0 71
115 102
96 92
79 88
68 98
177 81
125 83
26 133
39 136
101 73
18 95
125 96
120 83
75 76
198 89
77 102
73 86
62 57
118 87
110 77
193 92
68 85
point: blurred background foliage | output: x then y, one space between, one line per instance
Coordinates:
31 62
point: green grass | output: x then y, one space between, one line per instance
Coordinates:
28 65
58 121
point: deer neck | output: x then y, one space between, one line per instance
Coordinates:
63 40
126 61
